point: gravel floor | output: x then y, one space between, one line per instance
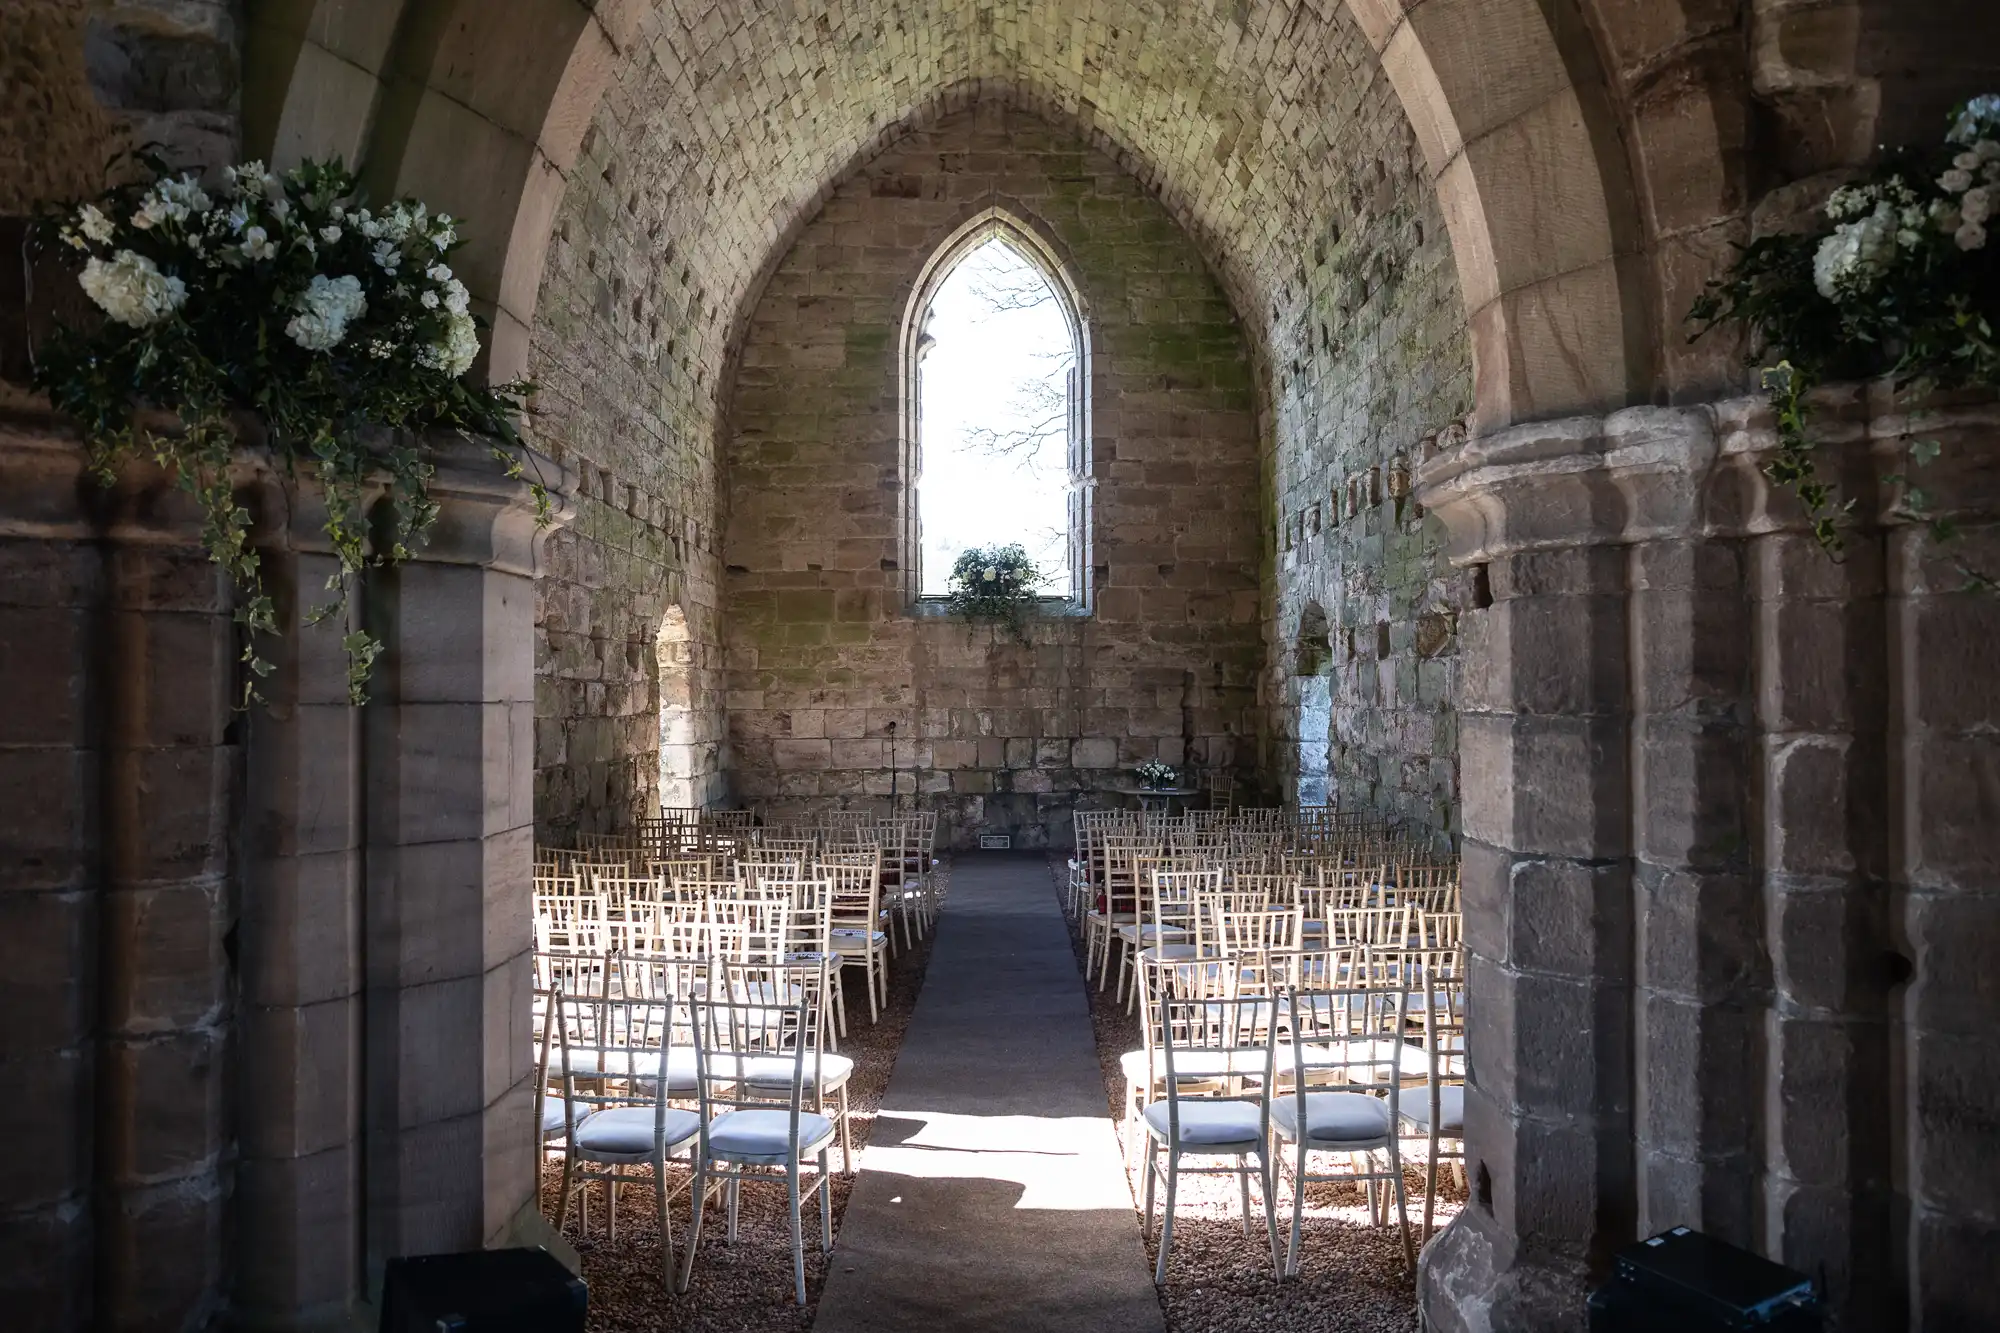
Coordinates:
1351 1274
747 1285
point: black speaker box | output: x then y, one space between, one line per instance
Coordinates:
1681 1281
482 1291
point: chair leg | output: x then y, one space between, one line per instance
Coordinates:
1402 1207
826 1195
846 1137
1167 1219
666 1223
798 1231
1147 1166
1298 1211
562 1191
1430 1187
1243 1180
611 1209
1268 1175
700 1192
734 1193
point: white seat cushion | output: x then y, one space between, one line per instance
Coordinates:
1415 1107
554 1121
1209 1123
1168 953
1334 1118
848 939
762 1135
768 1072
627 1131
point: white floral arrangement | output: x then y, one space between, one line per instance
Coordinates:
1155 775
994 584
1898 280
283 297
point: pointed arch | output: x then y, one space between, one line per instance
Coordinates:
1028 239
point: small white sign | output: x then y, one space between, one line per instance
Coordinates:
996 842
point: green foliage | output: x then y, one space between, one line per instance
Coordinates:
994 584
1900 280
343 331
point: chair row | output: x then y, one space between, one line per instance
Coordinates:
1277 1060
716 1063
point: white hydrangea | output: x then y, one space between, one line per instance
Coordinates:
1853 258
131 289
326 307
455 353
90 220
1980 117
170 201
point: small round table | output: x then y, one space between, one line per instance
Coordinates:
1159 798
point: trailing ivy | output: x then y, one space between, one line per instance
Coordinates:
342 331
1898 281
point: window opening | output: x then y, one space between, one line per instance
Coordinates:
678 752
998 455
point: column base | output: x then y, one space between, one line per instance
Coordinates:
1468 1281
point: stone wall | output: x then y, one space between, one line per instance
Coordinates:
626 377
824 656
1369 358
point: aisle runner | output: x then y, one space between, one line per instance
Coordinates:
992 1194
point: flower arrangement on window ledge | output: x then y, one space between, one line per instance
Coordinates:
1899 280
995 584
1155 776
342 331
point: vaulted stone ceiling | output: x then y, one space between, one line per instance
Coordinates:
727 124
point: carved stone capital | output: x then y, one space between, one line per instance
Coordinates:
1667 473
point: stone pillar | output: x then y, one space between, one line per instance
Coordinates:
448 784
1939 956
163 986
51 593
1547 877
298 1187
119 769
1729 871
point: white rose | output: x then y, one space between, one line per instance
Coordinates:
1977 205
429 300
329 234
1956 181
1971 236
131 289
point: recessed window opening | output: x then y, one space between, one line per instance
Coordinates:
996 409
677 748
